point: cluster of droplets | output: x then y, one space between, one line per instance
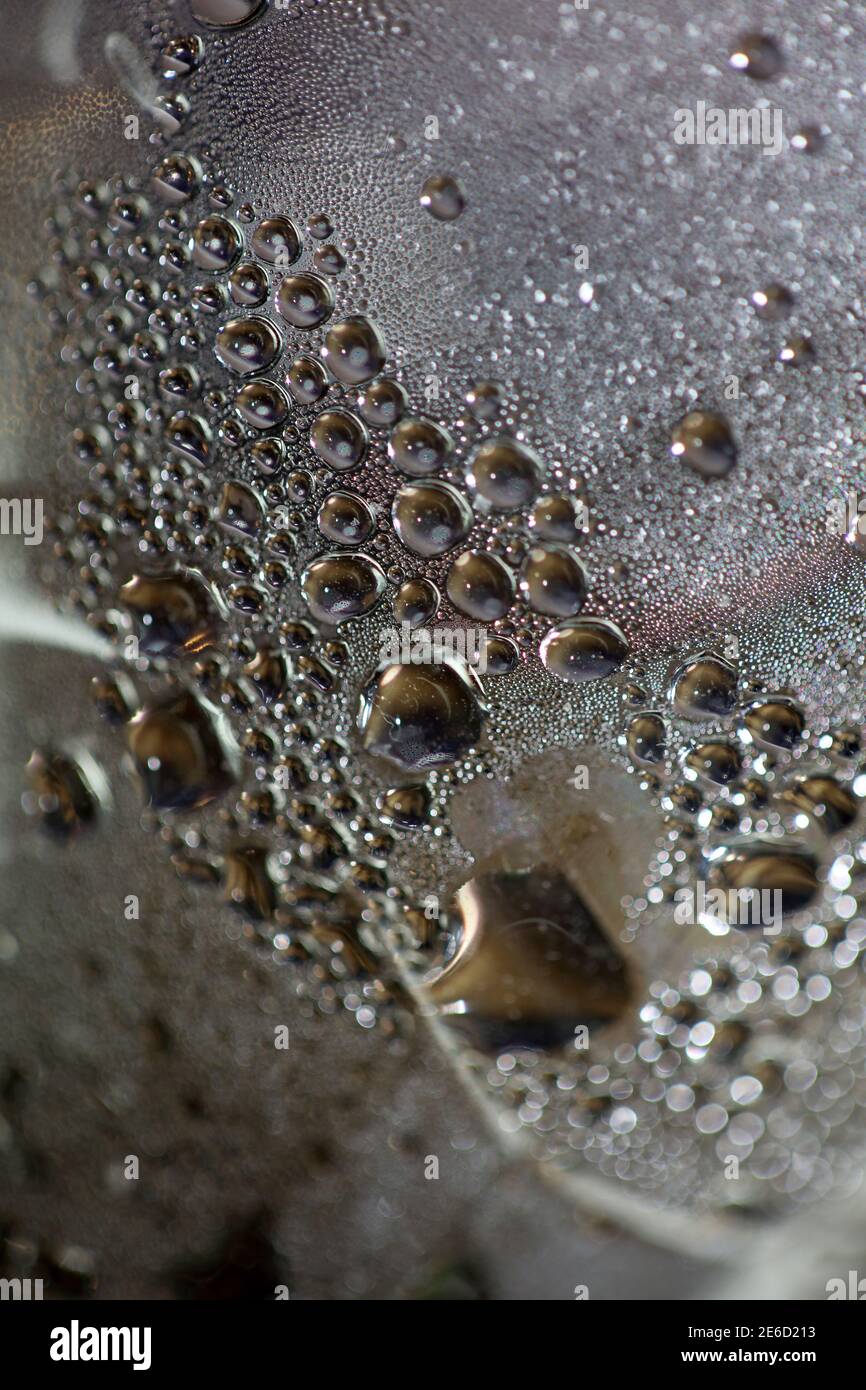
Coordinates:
258 486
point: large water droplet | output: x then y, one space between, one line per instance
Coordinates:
304 300
421 716
776 723
480 585
705 687
225 14
431 518
553 581
586 649
442 197
247 345
183 752
339 439
419 447
354 351
704 441
506 473
530 964
216 242
338 587
277 241
173 614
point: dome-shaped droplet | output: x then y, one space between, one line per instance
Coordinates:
530 965
339 587
416 602
216 243
189 435
506 473
248 284
766 866
829 802
183 752
421 716
176 178
354 351
62 794
277 241
705 687
172 614
704 441
646 738
225 14
485 399
585 649
553 581
419 447
262 404
247 345
557 518
499 655
757 55
241 508
345 518
431 518
480 585
306 380
716 760
442 197
383 402
339 439
404 808
773 302
775 723
304 300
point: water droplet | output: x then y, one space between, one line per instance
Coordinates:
704 441
529 965
442 197
557 518
339 439
506 473
798 351
269 673
485 399
183 752
304 300
705 687
809 139
189 435
773 303
757 55
225 14
247 345
827 801
383 402
421 716
776 723
430 518
646 738
262 404
182 55
216 242
277 240
480 585
785 866
173 614
345 518
716 760
61 793
404 808
354 351
241 507
419 447
248 284
585 649
176 178
416 602
339 587
553 581
500 656
306 380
